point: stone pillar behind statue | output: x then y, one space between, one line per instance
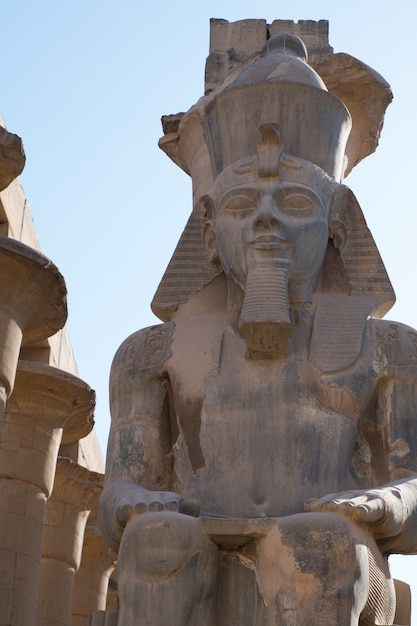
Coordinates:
75 490
46 403
92 578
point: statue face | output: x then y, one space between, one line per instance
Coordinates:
271 224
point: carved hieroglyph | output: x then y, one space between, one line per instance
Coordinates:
263 451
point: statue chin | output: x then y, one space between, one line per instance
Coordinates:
264 321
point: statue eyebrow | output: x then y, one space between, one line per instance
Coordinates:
297 190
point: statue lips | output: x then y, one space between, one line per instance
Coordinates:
269 242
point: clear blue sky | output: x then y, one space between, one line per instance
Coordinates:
85 82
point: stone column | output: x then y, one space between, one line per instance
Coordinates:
75 491
104 618
92 579
46 407
112 601
110 616
32 305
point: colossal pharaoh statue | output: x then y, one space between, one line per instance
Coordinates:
263 451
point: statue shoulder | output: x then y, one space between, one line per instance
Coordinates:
138 371
394 345
145 350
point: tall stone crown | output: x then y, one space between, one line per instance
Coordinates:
279 88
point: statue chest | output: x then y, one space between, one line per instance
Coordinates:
254 439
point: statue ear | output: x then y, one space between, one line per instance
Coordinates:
337 232
209 238
339 216
209 235
206 206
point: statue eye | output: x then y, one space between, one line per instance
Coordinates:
298 202
240 204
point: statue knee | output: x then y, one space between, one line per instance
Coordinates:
322 550
326 546
316 564
156 545
346 560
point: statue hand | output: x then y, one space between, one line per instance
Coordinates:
382 510
123 499
143 501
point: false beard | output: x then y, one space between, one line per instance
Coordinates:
264 321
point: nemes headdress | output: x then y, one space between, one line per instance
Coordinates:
273 108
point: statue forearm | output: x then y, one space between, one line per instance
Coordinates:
390 512
136 453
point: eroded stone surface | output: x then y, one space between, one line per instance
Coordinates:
262 458
12 157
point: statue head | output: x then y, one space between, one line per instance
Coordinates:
268 228
275 139
270 211
266 153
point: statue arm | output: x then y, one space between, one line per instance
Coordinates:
396 418
139 446
390 430
138 465
390 512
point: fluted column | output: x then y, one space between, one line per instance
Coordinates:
32 305
92 578
74 493
112 602
104 618
46 407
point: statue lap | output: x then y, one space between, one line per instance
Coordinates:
248 572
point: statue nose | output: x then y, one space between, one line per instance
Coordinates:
267 215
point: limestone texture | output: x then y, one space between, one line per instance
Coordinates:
262 457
